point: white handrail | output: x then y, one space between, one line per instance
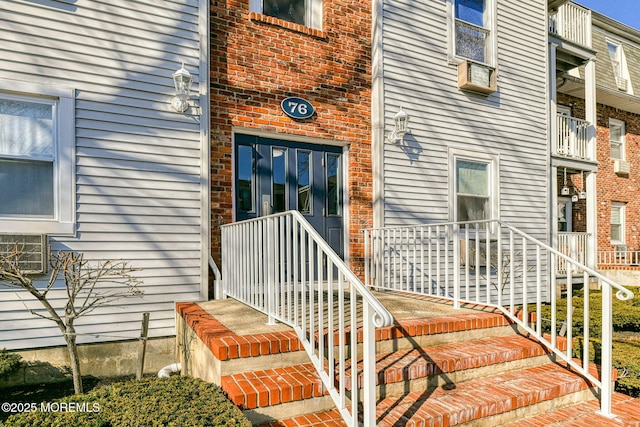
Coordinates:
281 266
493 263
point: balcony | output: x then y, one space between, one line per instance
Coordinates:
573 245
571 23
572 138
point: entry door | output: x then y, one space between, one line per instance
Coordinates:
275 176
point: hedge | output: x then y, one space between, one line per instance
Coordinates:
175 401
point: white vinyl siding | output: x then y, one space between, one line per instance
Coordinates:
140 167
415 177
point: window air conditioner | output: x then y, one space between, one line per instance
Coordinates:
621 167
622 83
34 258
476 77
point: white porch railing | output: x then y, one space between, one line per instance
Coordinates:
572 23
572 138
573 245
280 265
493 263
619 258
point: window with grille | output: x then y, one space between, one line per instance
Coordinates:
617 223
617 139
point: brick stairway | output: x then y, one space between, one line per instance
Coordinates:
465 368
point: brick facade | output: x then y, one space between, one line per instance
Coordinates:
257 60
612 187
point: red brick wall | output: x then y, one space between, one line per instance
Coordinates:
610 186
256 61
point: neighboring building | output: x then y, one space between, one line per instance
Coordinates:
93 156
617 208
264 161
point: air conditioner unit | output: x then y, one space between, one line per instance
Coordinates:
34 259
621 167
622 83
476 77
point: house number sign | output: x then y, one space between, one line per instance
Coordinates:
297 108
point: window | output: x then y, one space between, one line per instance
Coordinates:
616 55
474 187
36 160
303 12
472 30
617 223
617 139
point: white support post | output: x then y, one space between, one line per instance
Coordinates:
606 360
591 117
369 368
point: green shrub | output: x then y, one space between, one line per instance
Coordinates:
626 358
175 401
9 363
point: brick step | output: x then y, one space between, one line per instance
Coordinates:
399 372
585 415
495 400
419 369
279 393
319 419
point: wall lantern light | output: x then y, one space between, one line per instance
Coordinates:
182 80
401 126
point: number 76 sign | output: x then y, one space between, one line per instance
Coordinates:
297 108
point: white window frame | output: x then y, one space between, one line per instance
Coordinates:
623 238
617 61
492 162
622 142
491 59
63 220
313 12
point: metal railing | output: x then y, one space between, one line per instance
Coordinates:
619 258
573 245
572 139
492 263
572 23
279 265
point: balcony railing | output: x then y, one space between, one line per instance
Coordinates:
621 258
573 245
572 23
572 139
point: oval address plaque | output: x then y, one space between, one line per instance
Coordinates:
297 108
